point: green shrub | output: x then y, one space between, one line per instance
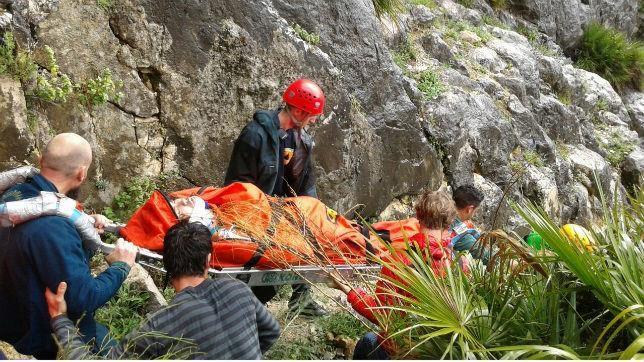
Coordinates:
130 198
100 90
343 324
124 312
498 4
311 38
391 8
52 85
15 63
300 349
533 158
616 146
482 33
427 3
610 54
529 33
489 20
466 3
105 4
405 54
430 84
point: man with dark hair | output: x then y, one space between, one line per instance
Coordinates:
273 152
206 319
467 199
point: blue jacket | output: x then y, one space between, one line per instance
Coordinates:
465 239
41 253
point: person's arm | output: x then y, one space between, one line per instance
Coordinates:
58 255
468 242
71 344
245 159
139 343
268 329
360 301
363 303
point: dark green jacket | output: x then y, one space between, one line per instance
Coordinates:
255 158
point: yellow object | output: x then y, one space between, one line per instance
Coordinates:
578 234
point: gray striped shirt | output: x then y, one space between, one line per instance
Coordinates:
218 319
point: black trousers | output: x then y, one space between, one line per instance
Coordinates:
266 293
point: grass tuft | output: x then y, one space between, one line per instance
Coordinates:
391 8
405 54
430 84
125 311
311 38
609 53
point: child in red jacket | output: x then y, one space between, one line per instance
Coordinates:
435 212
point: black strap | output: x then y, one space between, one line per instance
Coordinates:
167 199
202 189
365 232
259 252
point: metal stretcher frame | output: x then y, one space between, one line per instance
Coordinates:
259 277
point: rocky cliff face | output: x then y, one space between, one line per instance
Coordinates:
510 114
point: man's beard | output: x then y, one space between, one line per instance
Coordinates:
73 193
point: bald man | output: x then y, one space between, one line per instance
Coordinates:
43 252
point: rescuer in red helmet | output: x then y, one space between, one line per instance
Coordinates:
273 152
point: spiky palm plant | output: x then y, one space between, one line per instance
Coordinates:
565 303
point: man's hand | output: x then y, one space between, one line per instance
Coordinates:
337 282
99 222
125 251
56 302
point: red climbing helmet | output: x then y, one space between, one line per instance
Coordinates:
305 95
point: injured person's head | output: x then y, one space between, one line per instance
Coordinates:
194 209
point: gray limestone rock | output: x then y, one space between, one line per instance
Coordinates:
523 59
633 169
488 59
17 140
564 20
557 120
437 48
634 103
539 186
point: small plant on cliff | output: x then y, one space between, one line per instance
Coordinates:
498 4
105 4
533 158
466 3
100 90
430 84
531 34
616 146
53 87
431 4
130 198
311 38
49 84
564 97
609 53
391 8
15 62
405 54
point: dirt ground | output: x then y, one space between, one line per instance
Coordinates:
305 338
